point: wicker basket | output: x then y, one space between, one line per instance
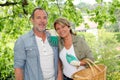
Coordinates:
93 72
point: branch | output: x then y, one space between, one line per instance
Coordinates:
24 3
58 7
6 17
8 3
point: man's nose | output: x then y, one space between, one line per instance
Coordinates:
42 20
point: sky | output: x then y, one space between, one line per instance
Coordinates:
89 1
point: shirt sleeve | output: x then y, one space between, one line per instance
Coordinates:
87 49
19 54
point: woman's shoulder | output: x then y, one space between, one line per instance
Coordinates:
78 37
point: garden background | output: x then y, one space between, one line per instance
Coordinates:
14 21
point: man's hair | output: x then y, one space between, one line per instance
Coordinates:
38 8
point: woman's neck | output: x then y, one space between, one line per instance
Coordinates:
68 41
69 37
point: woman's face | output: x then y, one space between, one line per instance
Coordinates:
62 30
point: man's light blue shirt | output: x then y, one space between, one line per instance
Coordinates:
26 56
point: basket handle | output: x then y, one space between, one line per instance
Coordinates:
90 63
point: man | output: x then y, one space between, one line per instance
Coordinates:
35 58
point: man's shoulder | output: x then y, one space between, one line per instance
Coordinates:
27 34
26 37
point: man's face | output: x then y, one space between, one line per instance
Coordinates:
40 20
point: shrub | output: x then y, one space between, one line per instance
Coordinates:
104 51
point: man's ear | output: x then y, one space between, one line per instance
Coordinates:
31 19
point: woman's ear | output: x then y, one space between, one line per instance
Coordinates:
70 29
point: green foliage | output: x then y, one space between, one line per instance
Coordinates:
112 27
117 35
11 30
99 1
6 57
104 12
105 52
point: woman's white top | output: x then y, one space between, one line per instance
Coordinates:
68 69
46 58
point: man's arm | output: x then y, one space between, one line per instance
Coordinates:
18 74
19 59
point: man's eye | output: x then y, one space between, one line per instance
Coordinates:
45 17
38 17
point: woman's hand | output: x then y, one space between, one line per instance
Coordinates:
72 60
83 63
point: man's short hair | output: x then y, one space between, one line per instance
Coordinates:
38 8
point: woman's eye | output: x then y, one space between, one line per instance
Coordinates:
57 29
63 26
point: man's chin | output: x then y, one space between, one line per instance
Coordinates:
42 30
39 30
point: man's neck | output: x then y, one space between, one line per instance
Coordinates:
41 34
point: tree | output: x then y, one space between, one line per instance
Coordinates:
104 13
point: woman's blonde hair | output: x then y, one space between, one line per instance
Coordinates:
64 22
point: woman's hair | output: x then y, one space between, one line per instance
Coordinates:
64 22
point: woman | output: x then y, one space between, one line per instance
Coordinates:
72 49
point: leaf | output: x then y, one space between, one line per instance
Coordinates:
99 1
